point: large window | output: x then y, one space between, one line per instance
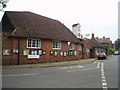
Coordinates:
56 45
72 46
33 43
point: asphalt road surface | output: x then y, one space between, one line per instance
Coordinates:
100 74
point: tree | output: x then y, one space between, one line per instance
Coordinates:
106 48
3 4
117 44
111 50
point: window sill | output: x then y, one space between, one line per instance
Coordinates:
33 48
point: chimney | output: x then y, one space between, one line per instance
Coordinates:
93 38
97 38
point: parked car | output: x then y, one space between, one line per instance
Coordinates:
101 56
116 53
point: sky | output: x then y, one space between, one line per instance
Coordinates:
95 16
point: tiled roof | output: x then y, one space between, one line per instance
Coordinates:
75 24
95 43
104 40
27 24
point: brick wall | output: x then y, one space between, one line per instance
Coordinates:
86 46
6 44
46 45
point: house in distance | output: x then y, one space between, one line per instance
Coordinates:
91 47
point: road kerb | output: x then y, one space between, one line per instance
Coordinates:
52 64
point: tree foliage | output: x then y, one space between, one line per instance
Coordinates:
117 44
106 47
3 4
109 50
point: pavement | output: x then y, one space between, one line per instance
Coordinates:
51 64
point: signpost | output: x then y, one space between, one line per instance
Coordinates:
68 48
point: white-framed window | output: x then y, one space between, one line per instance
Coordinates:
56 45
72 46
33 43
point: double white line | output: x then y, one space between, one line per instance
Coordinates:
104 82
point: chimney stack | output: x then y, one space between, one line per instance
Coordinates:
93 38
97 38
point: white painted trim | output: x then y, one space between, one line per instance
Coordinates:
34 39
56 48
73 46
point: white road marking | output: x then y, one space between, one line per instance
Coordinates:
103 80
102 72
104 83
98 65
102 66
81 69
20 75
80 66
71 67
103 77
104 87
95 61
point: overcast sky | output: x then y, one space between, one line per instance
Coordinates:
95 16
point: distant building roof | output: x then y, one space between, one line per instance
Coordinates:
104 40
95 43
75 24
30 25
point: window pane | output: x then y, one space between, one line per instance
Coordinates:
72 46
33 43
53 44
56 44
37 43
29 42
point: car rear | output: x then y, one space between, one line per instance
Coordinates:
116 53
101 56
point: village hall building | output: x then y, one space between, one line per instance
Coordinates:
29 38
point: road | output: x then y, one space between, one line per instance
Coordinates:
100 74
